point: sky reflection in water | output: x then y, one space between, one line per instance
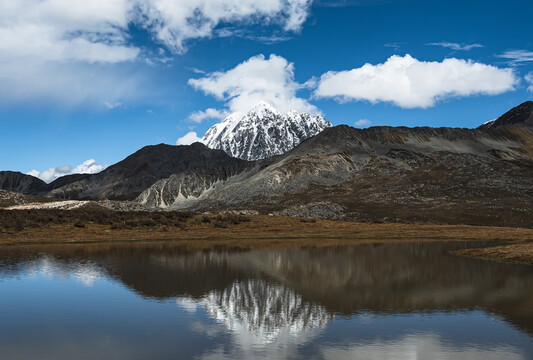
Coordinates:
394 301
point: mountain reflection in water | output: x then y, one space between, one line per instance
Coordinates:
397 300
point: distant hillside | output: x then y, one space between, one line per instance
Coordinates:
128 178
21 183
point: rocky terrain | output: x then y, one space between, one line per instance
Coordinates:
128 178
444 175
521 115
263 132
480 176
10 198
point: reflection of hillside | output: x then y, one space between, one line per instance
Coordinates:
396 277
402 278
167 275
380 278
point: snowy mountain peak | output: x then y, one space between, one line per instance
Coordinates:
262 132
262 109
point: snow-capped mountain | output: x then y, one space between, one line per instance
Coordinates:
263 132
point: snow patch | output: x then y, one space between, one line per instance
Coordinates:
263 132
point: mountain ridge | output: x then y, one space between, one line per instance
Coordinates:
455 175
423 174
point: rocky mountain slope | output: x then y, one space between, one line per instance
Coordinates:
21 183
263 132
128 178
446 175
520 115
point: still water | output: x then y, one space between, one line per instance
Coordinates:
377 301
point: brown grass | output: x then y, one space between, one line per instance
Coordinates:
251 229
197 231
515 253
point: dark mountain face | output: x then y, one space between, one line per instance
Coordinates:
30 185
65 180
21 183
128 178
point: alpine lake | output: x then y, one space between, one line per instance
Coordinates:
410 300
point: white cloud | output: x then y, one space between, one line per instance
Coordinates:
197 71
174 22
209 113
410 83
51 30
456 46
517 56
256 79
114 105
87 167
395 46
97 30
529 79
419 346
33 173
362 123
188 139
63 50
65 169
78 41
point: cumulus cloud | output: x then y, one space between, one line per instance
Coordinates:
62 49
78 40
97 30
188 139
410 83
456 46
174 22
362 123
65 30
517 56
529 79
210 113
87 167
254 80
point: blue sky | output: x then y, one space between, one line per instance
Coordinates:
99 82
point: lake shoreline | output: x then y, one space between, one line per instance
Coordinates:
268 232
